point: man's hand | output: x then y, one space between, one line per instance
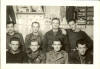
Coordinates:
64 31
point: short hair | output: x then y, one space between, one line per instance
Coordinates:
35 41
71 20
35 23
15 39
82 42
57 40
56 19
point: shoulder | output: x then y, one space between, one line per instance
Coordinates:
73 54
81 31
28 35
41 53
49 32
68 30
49 53
89 56
7 53
23 53
64 52
18 34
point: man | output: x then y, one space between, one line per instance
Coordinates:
81 56
35 35
53 34
57 56
35 55
74 34
14 54
12 33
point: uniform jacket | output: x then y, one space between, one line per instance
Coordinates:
53 57
74 58
37 57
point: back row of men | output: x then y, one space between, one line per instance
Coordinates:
57 46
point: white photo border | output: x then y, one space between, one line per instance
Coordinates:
96 34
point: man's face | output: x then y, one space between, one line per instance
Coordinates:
55 24
10 28
72 25
82 49
14 45
34 46
35 27
57 46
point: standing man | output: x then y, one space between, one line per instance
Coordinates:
12 33
53 34
35 35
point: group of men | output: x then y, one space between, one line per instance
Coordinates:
57 46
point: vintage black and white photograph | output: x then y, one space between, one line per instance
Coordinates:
49 34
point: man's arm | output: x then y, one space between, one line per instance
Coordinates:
26 43
45 43
88 40
22 42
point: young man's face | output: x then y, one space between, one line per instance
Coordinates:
55 24
10 28
34 46
57 46
14 45
35 27
82 49
72 25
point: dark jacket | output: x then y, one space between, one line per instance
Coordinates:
74 58
19 57
50 36
74 36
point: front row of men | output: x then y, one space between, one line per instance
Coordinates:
57 46
56 56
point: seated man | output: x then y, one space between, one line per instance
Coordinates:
81 56
57 56
35 55
14 54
